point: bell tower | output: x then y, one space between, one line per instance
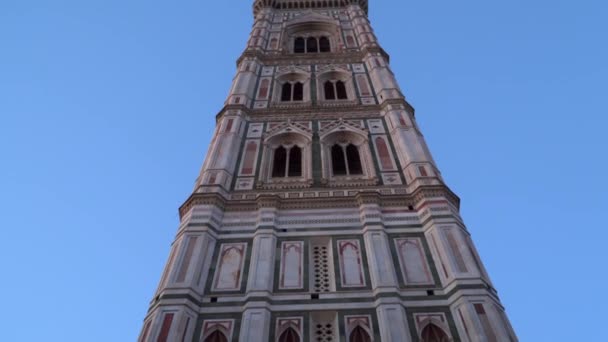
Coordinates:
319 213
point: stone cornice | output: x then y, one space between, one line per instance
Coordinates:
281 200
301 4
285 58
317 112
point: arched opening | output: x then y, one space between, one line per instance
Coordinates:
216 336
359 335
324 45
432 333
298 91
354 160
328 87
337 160
295 162
312 45
289 335
279 162
341 90
286 92
299 45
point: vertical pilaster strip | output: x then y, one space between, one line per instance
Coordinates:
393 323
255 326
262 263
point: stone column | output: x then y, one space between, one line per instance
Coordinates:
392 322
255 326
262 263
381 266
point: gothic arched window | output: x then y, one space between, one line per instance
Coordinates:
279 162
359 335
324 45
299 45
335 90
287 162
298 92
337 160
330 94
295 162
341 90
289 335
216 336
292 92
432 333
354 160
312 45
286 92
346 160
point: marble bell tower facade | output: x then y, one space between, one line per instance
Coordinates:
319 213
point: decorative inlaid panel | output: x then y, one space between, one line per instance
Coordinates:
351 268
284 324
412 259
358 328
215 326
292 265
229 269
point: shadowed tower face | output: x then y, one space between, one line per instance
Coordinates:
319 213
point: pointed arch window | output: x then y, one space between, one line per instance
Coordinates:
287 162
216 336
289 335
359 335
432 333
299 45
311 44
292 91
338 162
324 45
298 92
295 162
354 160
279 162
346 160
341 90
330 93
286 92
335 90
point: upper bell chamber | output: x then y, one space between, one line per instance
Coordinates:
302 4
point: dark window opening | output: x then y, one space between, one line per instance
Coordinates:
286 92
295 162
299 45
311 45
216 336
329 91
298 91
280 160
359 335
341 90
289 335
432 333
324 44
354 161
337 160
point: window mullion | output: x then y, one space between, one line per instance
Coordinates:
336 92
345 160
287 163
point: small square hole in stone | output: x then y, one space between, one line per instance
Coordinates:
213 299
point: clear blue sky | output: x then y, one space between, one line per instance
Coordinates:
107 107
